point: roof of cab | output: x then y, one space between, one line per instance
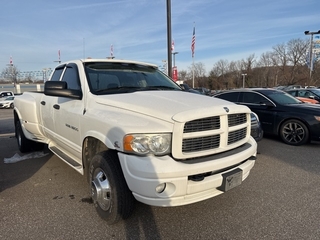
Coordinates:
88 60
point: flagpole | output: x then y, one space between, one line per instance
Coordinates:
193 45
192 71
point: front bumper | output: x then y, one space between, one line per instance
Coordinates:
144 174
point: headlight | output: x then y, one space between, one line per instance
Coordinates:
158 144
254 119
317 118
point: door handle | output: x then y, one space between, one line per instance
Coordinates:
56 106
43 103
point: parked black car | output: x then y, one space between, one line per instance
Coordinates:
186 88
204 91
256 129
280 113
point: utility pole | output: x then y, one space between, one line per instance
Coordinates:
169 38
311 51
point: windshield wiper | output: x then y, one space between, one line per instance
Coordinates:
125 88
159 88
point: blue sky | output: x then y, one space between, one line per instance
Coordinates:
33 32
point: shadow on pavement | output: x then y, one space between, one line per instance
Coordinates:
12 174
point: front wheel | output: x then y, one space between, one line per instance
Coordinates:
111 196
294 132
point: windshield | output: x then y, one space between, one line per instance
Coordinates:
282 98
109 78
316 92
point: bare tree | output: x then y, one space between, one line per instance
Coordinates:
218 74
285 64
266 72
199 74
247 66
297 49
182 75
11 73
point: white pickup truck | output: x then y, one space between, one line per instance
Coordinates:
135 134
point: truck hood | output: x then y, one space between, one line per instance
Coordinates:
170 105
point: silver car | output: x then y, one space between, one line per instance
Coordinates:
7 102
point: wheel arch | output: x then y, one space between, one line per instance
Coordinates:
90 147
16 118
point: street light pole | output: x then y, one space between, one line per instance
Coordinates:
310 51
169 38
174 58
243 78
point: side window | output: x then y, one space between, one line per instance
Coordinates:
57 74
6 94
300 94
307 94
71 76
231 96
253 98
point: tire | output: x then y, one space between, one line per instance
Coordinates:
294 132
24 144
110 193
11 106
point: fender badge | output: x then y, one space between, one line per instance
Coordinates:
116 144
227 109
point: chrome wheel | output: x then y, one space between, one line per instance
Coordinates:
112 198
101 190
294 132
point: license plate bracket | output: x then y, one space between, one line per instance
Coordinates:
231 179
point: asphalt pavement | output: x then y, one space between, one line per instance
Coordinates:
43 198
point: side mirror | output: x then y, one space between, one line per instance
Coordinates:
60 89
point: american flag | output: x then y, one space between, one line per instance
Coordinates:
172 45
193 42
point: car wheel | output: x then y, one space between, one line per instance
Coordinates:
24 144
294 132
111 196
11 105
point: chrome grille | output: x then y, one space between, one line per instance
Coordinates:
200 143
236 119
214 132
203 124
236 136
